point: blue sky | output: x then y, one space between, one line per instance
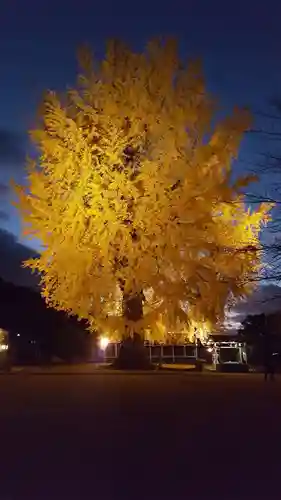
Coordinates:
239 42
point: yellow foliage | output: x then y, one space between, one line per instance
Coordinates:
131 193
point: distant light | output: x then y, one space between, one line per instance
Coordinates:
4 347
104 341
209 349
18 334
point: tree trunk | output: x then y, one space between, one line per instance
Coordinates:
132 354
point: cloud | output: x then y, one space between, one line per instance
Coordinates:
266 299
4 189
12 254
12 150
4 216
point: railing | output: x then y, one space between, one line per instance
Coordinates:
166 353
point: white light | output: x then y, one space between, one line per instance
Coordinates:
209 349
104 341
4 347
18 334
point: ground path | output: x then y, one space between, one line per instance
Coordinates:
139 436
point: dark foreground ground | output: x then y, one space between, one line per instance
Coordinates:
174 436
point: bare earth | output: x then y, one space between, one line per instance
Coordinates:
142 436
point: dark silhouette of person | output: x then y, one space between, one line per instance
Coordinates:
268 358
199 348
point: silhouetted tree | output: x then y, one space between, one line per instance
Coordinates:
262 332
43 331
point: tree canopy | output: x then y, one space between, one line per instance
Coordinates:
132 196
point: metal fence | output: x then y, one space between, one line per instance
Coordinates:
166 353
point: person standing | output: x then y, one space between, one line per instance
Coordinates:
268 358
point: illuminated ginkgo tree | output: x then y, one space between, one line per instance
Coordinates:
132 199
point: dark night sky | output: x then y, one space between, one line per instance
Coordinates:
240 43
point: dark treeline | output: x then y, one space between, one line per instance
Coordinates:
259 331
38 334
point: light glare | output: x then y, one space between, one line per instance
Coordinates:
104 341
